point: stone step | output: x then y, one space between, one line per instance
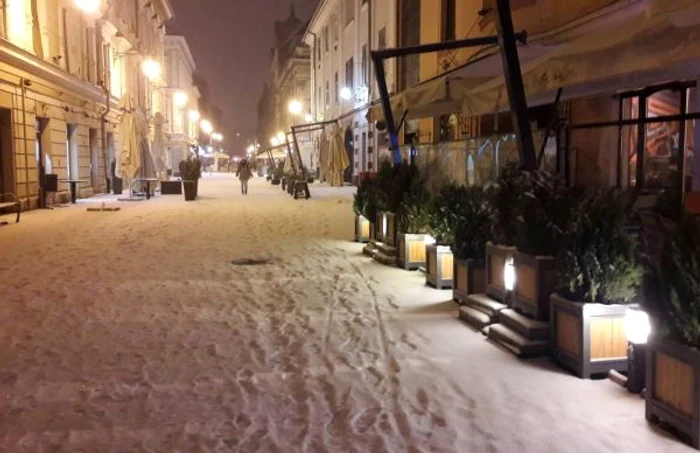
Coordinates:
370 249
486 304
475 317
527 327
387 259
516 343
387 249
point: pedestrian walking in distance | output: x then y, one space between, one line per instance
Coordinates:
244 174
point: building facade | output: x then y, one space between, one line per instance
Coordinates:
342 34
63 75
181 101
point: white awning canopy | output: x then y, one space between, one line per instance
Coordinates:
638 52
650 46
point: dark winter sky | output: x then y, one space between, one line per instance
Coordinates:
230 41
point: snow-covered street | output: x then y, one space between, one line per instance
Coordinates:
145 330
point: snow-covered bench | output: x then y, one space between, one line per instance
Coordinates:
8 200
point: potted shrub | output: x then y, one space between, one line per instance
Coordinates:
475 223
543 217
190 171
506 196
598 275
384 182
444 216
363 226
413 218
672 298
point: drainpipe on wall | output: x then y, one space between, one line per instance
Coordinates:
23 90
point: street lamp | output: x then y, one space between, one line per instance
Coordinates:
308 118
180 98
206 126
346 93
273 141
88 6
295 107
151 69
217 137
281 137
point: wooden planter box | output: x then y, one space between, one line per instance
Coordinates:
588 339
496 258
535 278
411 251
673 388
171 187
469 278
439 266
390 233
362 229
380 227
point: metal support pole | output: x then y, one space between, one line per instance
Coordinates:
514 83
681 152
618 180
553 120
641 142
298 153
386 105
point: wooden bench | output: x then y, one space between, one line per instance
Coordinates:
8 200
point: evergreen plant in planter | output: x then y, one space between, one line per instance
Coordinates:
363 226
543 217
413 217
190 171
475 222
598 275
672 298
506 198
444 217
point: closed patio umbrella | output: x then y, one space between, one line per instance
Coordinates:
323 156
129 158
160 156
339 160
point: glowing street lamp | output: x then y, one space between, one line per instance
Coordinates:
217 137
194 116
206 127
274 142
295 107
89 6
308 118
151 69
281 137
180 98
346 93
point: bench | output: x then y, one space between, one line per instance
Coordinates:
8 200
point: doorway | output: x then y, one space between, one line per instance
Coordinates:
72 168
93 143
7 173
43 161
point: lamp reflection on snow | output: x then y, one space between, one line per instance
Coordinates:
509 274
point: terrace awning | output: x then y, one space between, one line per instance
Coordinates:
622 53
627 55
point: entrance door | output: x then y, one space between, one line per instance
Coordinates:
7 180
42 160
94 161
72 169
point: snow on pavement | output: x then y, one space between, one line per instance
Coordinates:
134 332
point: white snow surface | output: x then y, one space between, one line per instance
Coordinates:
133 332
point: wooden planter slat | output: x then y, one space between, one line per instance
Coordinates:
496 258
469 278
362 229
588 339
535 278
411 251
673 388
440 266
390 233
379 227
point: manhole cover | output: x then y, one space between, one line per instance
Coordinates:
250 262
